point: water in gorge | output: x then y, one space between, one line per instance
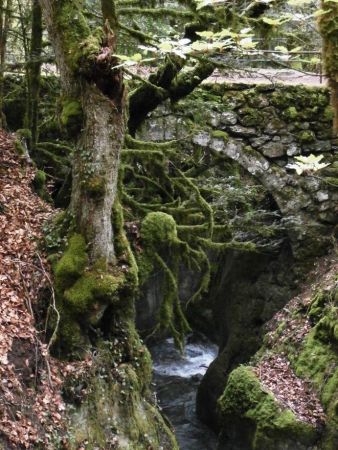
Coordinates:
176 378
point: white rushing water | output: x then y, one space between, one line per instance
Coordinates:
176 378
195 360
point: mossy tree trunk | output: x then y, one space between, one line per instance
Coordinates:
328 26
34 71
93 114
5 19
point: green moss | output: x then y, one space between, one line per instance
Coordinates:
281 99
251 117
72 264
74 38
24 133
71 114
328 26
316 309
158 229
39 179
331 181
328 114
95 186
218 134
245 398
20 149
39 184
290 113
91 287
306 137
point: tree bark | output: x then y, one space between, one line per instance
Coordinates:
34 71
93 88
5 18
328 27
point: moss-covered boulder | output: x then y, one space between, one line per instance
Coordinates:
305 334
254 420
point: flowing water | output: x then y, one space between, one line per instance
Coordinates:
176 379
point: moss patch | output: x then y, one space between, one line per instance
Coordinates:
244 397
72 264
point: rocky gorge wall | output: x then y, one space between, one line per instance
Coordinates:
263 129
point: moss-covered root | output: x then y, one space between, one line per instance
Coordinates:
252 418
114 411
83 294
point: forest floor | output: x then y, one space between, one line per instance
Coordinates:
30 391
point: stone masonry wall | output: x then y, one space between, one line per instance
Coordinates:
264 128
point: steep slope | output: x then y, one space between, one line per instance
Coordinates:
102 401
287 398
30 401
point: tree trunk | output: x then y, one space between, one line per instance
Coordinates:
93 113
328 26
5 18
95 172
34 71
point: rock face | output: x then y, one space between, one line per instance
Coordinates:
261 406
262 129
246 292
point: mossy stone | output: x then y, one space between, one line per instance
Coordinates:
245 399
219 134
90 288
158 229
306 137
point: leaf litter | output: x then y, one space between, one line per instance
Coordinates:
31 406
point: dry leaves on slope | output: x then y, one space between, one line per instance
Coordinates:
30 402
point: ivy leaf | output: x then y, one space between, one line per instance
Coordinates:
281 48
247 43
205 34
165 47
203 3
275 22
309 163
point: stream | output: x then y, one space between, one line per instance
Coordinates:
176 379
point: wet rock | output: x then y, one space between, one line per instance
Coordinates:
241 131
322 196
202 138
259 141
292 149
217 144
273 150
322 146
274 126
228 118
214 119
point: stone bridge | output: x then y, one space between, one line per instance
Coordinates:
263 128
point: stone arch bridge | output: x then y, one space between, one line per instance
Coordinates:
263 128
